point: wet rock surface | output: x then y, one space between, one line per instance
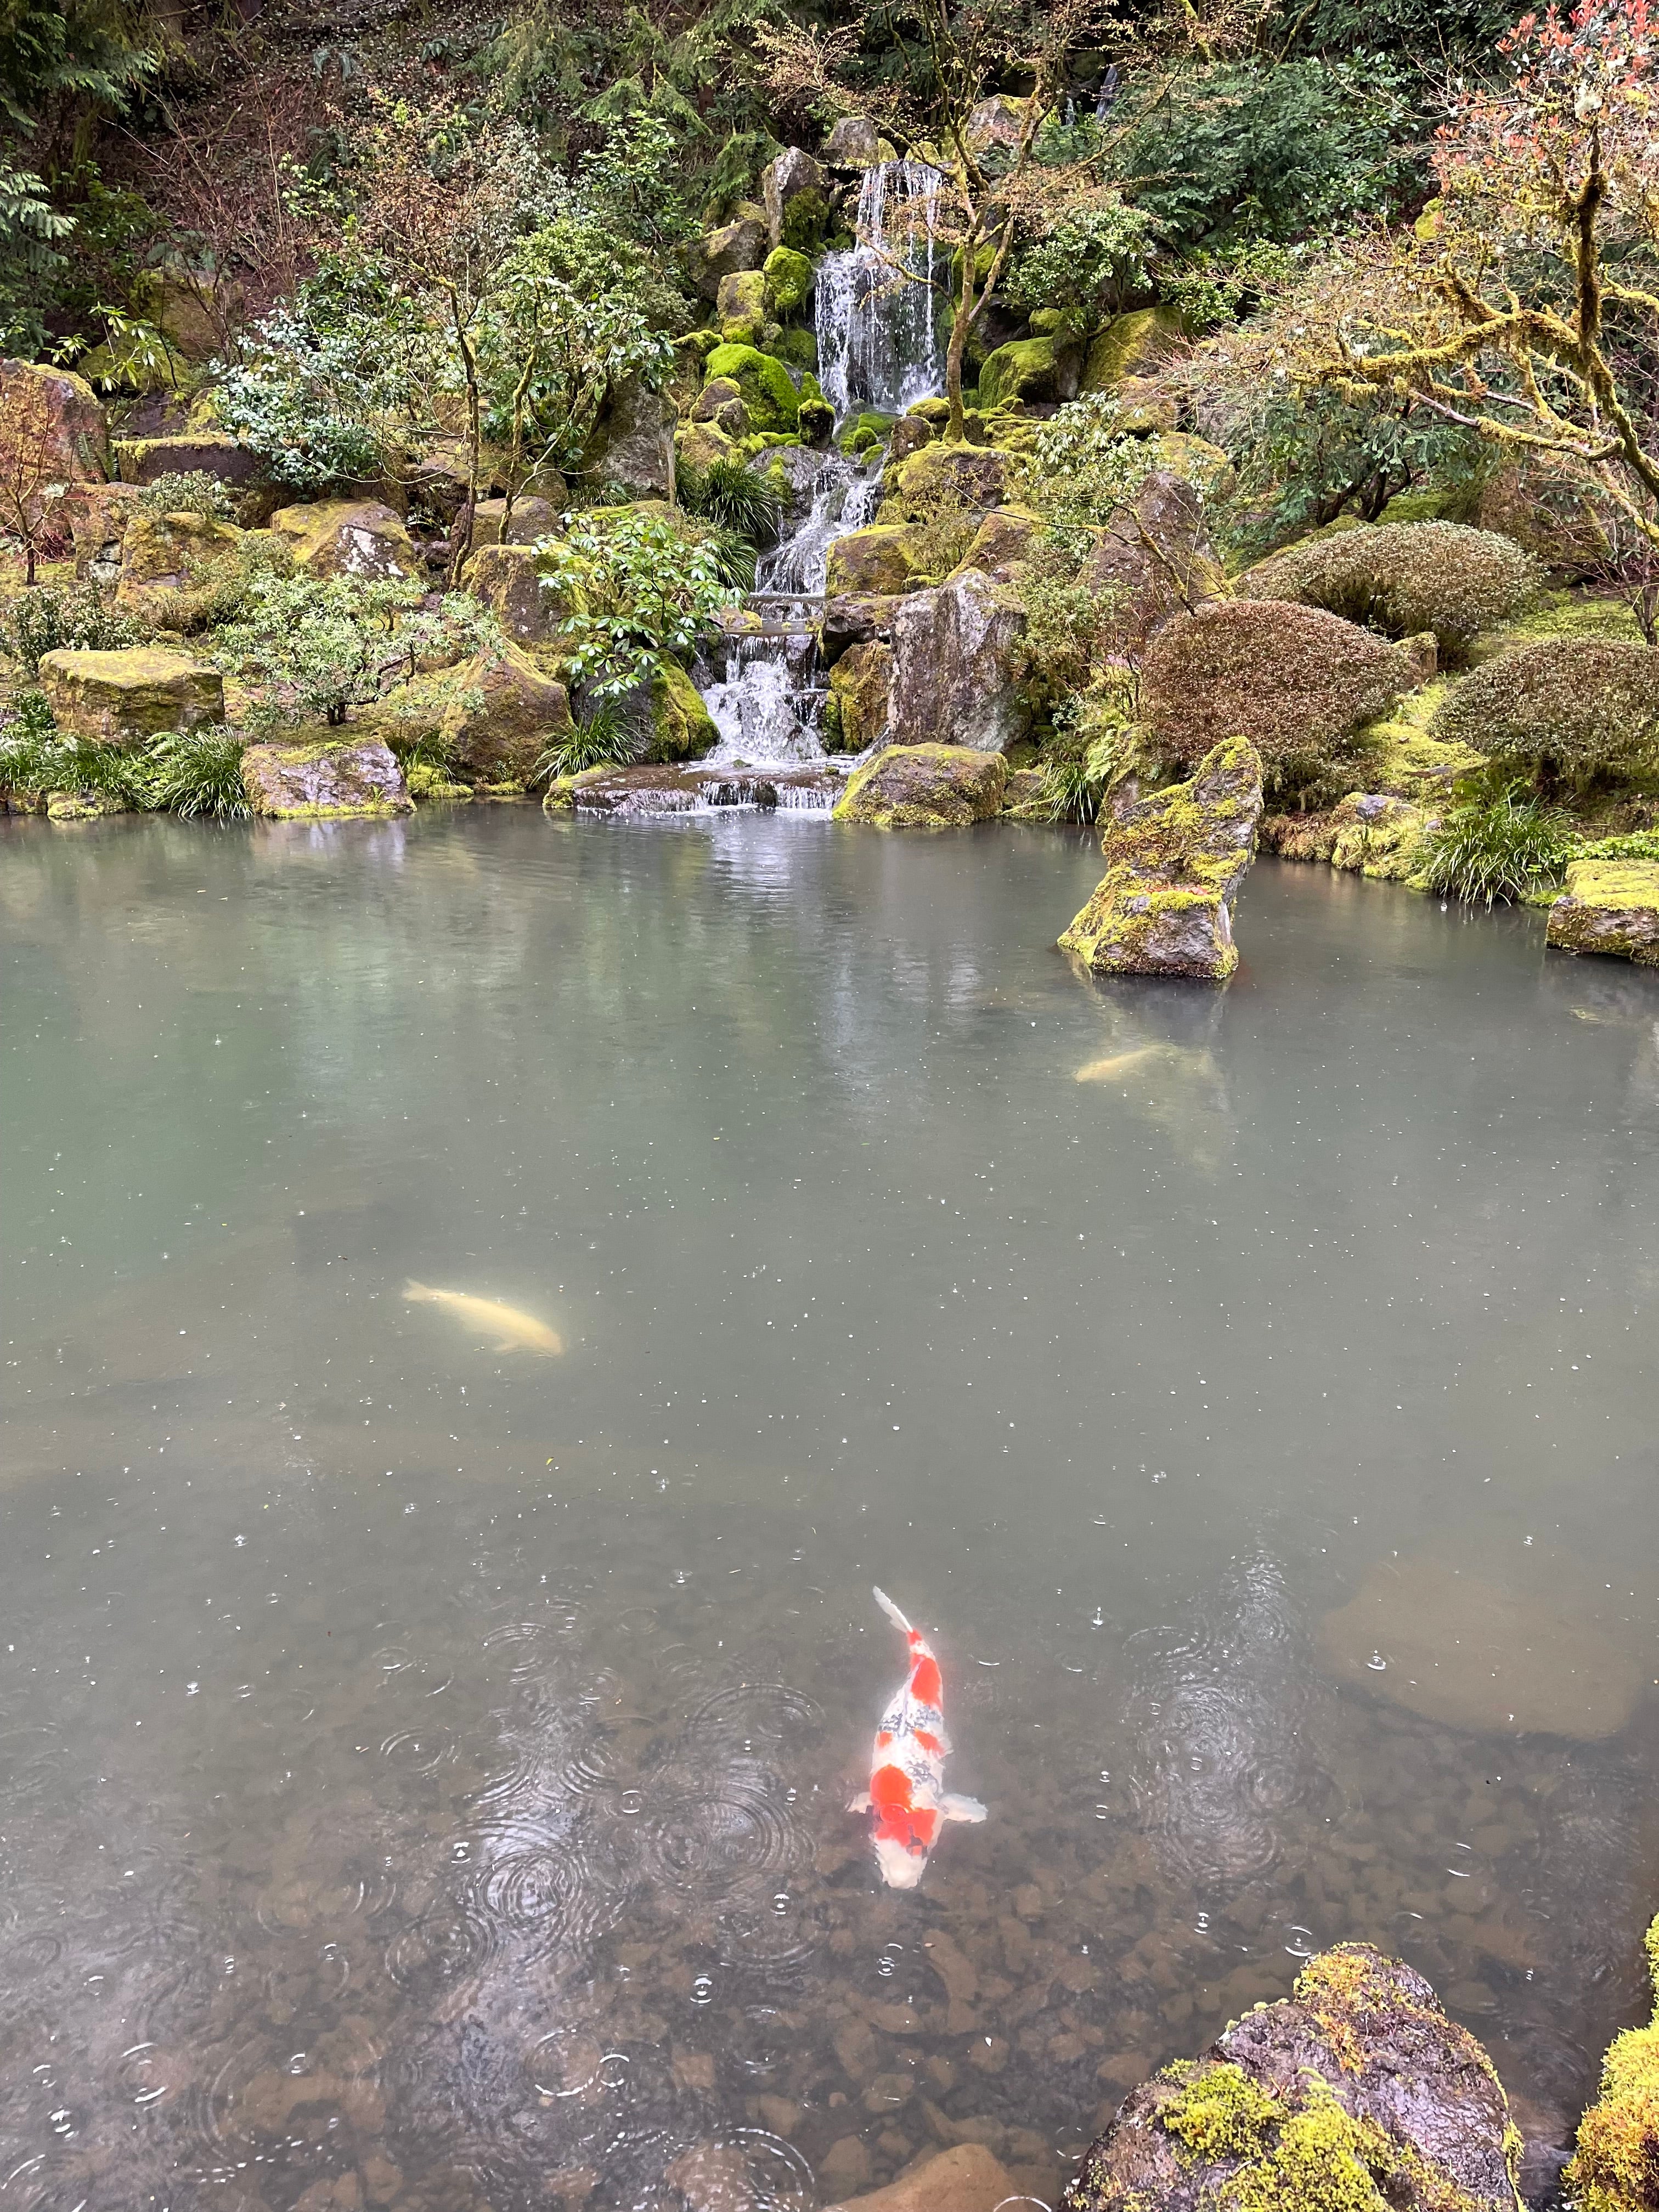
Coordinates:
1610 907
1356 2091
332 777
952 680
126 696
1174 865
925 788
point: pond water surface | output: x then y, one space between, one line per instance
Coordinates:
423 1767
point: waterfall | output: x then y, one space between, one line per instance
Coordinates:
844 497
878 329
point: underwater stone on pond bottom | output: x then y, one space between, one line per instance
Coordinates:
326 778
965 2179
1611 906
1456 1649
1173 864
1354 2094
925 788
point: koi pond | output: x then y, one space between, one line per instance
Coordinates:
426 1737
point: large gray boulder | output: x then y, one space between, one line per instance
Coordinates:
633 447
953 666
793 176
1356 2091
1155 559
742 243
1173 864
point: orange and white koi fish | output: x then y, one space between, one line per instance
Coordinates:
907 1773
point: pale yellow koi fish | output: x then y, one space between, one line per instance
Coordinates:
516 1331
1120 1063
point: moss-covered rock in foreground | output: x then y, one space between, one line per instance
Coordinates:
1612 907
318 779
1173 864
126 696
1615 2166
1354 2094
926 787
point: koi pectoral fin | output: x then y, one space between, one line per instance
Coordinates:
509 1344
962 1808
862 1803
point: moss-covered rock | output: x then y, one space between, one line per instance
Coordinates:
632 447
500 715
1581 705
796 204
1045 368
955 651
98 515
1001 543
1354 2094
680 726
1174 865
925 788
205 452
72 417
168 560
1298 682
765 386
702 444
1404 578
506 580
128 697
740 244
972 477
743 308
881 559
360 537
1612 907
1129 346
856 714
1374 833
1615 2165
788 280
534 516
1153 561
323 778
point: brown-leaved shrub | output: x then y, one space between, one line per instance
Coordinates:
1298 682
1403 577
1575 705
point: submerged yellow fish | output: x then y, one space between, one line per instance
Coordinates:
516 1331
1102 1071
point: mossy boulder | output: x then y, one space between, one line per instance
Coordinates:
955 653
1153 560
925 788
1404 578
506 580
1129 346
1356 2093
702 444
1000 545
72 417
534 516
940 476
1616 2160
794 191
168 560
204 452
743 308
740 244
360 537
1611 906
1583 706
633 447
881 559
856 713
788 280
1297 683
1370 833
502 713
126 697
1043 367
323 778
679 726
765 386
98 515
1174 865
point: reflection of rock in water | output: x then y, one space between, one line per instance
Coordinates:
1158 1051
1454 1647
1226 1770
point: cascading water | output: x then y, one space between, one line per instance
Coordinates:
877 303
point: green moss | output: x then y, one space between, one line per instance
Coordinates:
1221 2113
796 349
1025 368
788 279
768 391
681 727
1324 2160
807 221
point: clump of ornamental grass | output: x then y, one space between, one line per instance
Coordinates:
57 617
36 758
198 773
606 734
1501 841
732 497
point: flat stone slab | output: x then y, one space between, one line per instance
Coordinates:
1611 906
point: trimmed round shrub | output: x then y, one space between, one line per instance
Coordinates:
1403 577
1298 682
1576 705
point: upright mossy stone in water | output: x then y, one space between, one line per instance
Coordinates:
1174 865
326 778
1610 907
1355 2093
1615 2165
765 386
925 788
126 697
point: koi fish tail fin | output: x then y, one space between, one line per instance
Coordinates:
962 1808
892 1611
417 1290
862 1803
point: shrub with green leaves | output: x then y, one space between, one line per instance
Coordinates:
1499 842
1087 265
310 647
635 586
192 491
56 617
1574 707
1403 577
198 772
1081 466
328 386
